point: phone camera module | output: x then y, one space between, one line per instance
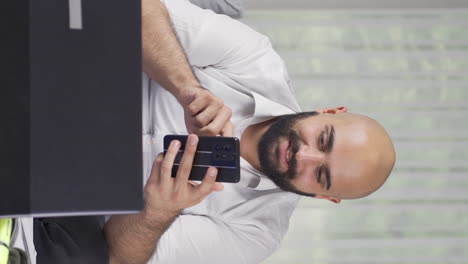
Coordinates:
227 147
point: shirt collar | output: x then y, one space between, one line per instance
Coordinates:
266 108
259 181
266 184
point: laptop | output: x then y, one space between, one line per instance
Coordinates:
70 107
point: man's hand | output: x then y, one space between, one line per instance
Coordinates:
165 195
205 114
133 238
165 62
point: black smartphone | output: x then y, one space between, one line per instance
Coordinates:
220 152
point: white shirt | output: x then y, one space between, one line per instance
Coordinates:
247 220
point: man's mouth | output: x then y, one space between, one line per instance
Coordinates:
285 154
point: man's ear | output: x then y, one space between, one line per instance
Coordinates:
341 109
330 198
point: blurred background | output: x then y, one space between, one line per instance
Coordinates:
405 64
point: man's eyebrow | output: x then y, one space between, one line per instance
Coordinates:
331 139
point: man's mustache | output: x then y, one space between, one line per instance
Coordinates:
294 148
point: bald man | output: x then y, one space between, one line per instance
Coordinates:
241 89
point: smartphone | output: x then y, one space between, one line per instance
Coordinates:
220 152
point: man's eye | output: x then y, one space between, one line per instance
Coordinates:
322 141
318 174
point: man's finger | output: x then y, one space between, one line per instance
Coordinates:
198 105
155 170
206 187
194 183
217 187
228 130
215 127
185 165
205 117
168 161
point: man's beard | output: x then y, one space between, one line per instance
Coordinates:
269 151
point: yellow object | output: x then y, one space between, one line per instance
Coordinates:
5 237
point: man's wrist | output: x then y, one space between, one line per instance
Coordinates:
159 219
187 94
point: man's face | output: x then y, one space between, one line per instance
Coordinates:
330 155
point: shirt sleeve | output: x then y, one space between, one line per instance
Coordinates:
199 239
210 39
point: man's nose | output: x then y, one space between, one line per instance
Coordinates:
310 154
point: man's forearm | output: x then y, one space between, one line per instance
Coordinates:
132 239
163 58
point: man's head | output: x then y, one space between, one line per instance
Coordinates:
330 154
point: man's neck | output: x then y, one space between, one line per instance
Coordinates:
249 142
